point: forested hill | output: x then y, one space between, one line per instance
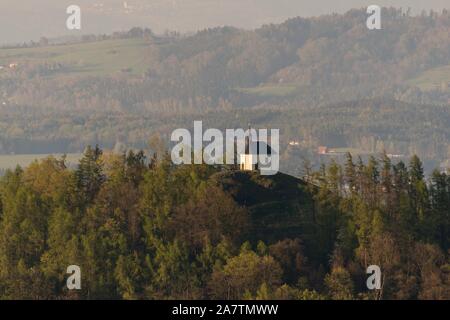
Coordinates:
143 229
279 206
124 87
336 54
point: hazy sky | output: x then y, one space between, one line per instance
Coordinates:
23 20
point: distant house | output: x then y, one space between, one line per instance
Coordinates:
13 65
322 150
253 149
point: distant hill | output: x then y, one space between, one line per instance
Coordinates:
324 81
331 58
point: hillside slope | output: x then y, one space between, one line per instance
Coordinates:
280 206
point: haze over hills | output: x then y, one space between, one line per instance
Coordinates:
325 81
25 20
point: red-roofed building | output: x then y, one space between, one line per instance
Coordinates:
322 150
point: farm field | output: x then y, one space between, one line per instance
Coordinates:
88 59
432 79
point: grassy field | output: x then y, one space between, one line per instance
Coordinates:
432 79
91 58
353 151
270 90
23 160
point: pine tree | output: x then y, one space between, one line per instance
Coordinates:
89 174
350 172
418 195
439 221
387 185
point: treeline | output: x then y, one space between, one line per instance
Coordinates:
369 126
146 229
135 32
391 215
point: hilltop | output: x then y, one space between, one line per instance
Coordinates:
280 206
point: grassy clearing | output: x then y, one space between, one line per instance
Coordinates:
271 90
432 79
353 151
92 58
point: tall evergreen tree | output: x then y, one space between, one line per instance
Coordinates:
89 174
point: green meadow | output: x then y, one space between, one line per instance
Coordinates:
271 90
432 79
90 58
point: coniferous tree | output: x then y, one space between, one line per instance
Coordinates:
89 174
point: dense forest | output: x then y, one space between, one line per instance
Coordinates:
141 227
146 229
389 88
